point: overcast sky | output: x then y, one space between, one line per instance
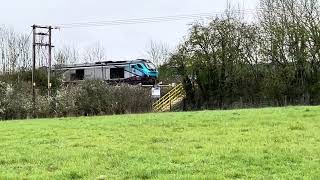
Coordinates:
120 42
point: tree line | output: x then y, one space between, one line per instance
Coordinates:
16 53
273 61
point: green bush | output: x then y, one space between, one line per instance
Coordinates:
82 99
98 98
15 101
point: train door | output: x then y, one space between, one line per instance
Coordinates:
98 73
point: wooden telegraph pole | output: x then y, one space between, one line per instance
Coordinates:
49 59
33 69
34 45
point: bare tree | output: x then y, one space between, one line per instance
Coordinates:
95 53
2 50
158 52
66 55
14 50
24 48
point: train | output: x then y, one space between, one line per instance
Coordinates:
139 71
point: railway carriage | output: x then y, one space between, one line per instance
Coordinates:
132 72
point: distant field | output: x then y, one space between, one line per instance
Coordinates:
272 143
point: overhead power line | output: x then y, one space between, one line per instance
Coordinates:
151 19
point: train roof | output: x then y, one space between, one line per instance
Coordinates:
102 63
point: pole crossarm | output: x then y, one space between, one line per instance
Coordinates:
42 44
45 27
42 34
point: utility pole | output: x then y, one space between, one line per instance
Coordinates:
34 45
33 69
49 59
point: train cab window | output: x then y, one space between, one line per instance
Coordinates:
150 66
139 66
79 74
116 73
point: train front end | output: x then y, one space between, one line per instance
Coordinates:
149 72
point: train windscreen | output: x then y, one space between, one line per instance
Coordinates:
150 66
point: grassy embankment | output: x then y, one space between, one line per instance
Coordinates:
267 143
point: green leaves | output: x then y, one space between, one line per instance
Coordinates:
272 61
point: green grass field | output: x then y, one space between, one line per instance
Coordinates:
271 143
